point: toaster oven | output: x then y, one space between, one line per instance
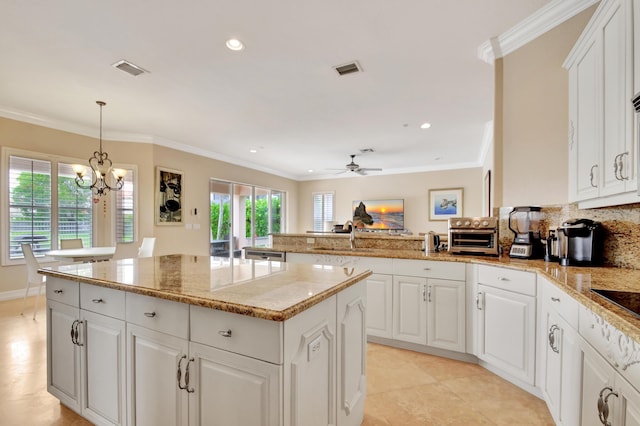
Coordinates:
473 235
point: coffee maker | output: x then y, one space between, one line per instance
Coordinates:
525 224
581 242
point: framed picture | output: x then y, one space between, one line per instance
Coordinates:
169 198
445 203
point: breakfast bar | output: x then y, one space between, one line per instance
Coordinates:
183 339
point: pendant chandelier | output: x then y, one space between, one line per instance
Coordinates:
104 177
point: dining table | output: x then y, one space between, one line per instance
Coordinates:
87 254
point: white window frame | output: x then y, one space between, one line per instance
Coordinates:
313 207
136 208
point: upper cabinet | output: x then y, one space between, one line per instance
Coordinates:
602 148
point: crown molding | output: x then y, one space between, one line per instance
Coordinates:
545 19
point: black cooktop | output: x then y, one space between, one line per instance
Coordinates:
628 300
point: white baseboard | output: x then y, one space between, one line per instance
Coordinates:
19 294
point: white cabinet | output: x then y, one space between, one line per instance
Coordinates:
63 355
560 363
446 314
429 303
602 163
506 309
410 309
607 398
156 368
86 350
380 305
611 373
230 389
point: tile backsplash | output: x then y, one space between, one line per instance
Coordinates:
621 225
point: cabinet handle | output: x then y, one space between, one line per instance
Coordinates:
621 166
73 333
149 314
225 333
186 377
552 338
429 294
555 299
57 291
591 176
615 167
179 375
478 303
603 405
503 278
97 300
427 269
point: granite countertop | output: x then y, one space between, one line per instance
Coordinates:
270 290
576 281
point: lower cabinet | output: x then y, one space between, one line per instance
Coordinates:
380 305
506 309
168 363
410 309
607 398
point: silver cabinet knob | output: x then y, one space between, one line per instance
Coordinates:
225 333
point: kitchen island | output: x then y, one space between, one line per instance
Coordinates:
181 339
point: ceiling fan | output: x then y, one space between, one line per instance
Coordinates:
355 168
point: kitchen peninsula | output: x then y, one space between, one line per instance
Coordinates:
183 340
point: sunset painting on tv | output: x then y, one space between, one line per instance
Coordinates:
379 214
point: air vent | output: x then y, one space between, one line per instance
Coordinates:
366 150
130 68
349 68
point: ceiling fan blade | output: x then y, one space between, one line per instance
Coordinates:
375 169
361 172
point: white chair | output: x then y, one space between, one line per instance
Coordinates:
73 243
146 248
33 277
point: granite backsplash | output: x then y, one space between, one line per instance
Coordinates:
621 225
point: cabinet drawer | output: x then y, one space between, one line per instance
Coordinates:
161 315
566 306
254 337
63 291
102 300
508 279
429 269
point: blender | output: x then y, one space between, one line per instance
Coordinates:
525 223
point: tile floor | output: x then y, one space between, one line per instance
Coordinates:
403 387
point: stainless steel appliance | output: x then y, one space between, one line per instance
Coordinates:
581 242
474 235
431 242
525 223
552 253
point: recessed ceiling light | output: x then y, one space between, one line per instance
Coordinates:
310 170
425 125
235 44
253 151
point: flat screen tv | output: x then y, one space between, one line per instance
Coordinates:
378 214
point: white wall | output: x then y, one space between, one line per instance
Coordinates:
412 187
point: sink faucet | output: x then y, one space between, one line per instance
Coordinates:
352 236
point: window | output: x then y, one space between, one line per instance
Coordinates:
243 215
75 214
323 210
29 205
125 208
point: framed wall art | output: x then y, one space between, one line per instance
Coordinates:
445 203
169 198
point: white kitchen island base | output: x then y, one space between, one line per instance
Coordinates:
181 364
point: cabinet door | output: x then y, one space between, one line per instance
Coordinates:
409 309
351 354
232 389
506 337
103 369
380 305
63 356
153 395
617 147
446 314
628 403
597 376
584 128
